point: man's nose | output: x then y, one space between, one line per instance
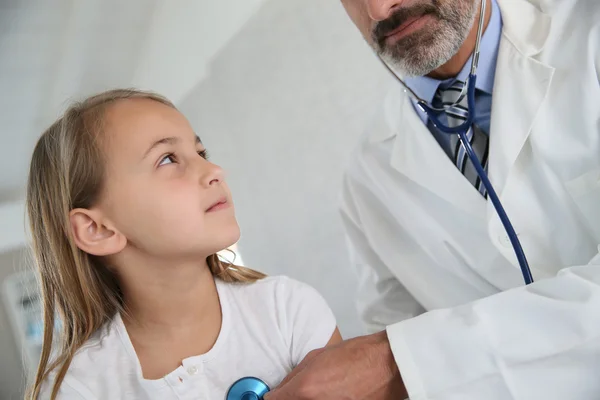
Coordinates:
381 9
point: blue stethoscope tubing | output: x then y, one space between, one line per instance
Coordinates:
462 130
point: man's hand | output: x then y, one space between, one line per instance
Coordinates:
358 369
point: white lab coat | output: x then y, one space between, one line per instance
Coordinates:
425 240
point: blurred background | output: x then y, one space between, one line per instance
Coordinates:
279 92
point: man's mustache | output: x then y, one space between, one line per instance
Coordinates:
387 26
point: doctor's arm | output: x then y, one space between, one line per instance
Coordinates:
540 341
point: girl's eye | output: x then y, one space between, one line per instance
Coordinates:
168 159
171 159
203 154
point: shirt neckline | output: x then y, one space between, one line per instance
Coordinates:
172 378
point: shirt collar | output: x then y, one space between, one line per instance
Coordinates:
425 87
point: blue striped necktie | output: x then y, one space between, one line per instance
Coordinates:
456 115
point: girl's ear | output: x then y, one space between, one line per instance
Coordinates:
94 235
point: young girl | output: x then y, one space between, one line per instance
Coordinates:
127 215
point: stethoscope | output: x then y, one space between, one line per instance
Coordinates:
248 388
462 130
251 388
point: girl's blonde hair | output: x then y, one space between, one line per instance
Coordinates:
67 172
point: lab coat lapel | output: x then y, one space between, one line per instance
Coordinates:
417 155
520 86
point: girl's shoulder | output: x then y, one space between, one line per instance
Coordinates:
272 290
296 310
103 358
293 307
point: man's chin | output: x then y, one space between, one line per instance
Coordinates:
406 69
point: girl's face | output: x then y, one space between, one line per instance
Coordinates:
160 192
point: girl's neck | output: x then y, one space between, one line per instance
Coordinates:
169 299
172 312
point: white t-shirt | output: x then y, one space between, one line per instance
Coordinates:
267 328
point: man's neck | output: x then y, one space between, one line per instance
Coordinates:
453 67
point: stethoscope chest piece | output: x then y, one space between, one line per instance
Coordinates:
248 388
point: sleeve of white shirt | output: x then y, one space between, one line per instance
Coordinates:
309 323
540 341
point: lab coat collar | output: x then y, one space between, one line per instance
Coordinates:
524 25
520 87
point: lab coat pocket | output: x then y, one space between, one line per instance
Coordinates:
585 192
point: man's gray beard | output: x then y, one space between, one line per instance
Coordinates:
423 55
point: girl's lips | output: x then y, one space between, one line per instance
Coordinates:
219 205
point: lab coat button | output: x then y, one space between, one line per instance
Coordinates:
505 240
192 370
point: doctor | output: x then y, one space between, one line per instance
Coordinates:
438 276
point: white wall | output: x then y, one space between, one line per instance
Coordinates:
182 40
281 110
52 53
12 225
